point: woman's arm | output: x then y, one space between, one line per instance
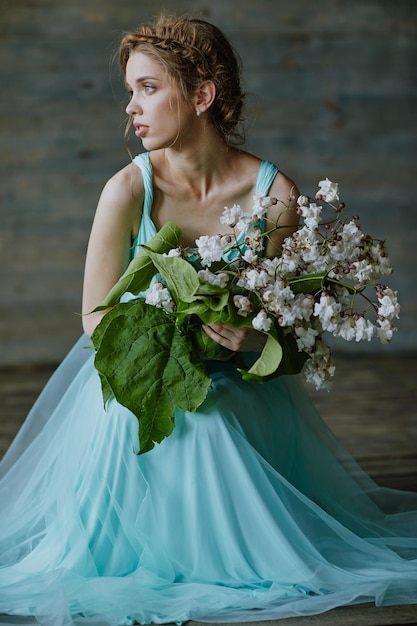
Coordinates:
282 214
114 227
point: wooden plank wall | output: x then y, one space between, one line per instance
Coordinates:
332 92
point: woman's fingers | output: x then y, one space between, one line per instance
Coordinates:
226 335
236 339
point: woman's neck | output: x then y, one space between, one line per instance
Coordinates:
200 167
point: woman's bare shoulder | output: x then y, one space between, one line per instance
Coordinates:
126 185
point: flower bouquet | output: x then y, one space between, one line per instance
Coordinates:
151 350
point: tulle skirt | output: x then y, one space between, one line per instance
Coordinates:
251 510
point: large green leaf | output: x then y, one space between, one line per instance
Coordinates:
150 366
141 269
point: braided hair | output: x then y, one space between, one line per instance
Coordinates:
192 51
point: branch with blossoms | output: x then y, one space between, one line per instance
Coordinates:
151 350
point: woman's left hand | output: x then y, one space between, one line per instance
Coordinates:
236 339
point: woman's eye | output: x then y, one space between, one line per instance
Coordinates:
149 88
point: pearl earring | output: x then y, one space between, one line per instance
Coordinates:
198 112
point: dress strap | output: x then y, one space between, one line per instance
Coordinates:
266 174
143 161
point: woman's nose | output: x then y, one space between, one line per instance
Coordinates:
132 106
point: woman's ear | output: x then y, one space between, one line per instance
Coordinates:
204 96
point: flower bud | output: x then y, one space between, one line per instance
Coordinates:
303 201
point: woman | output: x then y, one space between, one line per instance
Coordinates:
251 509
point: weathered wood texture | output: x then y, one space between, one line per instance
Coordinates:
332 92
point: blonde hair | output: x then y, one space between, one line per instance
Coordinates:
193 51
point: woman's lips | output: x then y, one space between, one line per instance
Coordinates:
141 130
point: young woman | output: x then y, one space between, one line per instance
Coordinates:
250 510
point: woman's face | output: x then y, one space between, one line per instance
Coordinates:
161 116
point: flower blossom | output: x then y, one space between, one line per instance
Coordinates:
261 204
250 256
303 200
382 262
159 296
232 215
306 337
361 271
220 280
243 305
261 321
254 237
311 215
388 306
327 309
328 191
210 249
364 329
319 369
253 279
174 252
385 331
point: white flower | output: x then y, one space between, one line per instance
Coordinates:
311 215
270 265
243 305
388 306
210 249
319 369
288 264
261 204
351 233
347 244
303 200
346 329
244 222
253 279
174 252
328 310
254 237
328 191
306 337
159 296
382 261
250 256
385 331
262 321
231 216
361 271
220 280
364 329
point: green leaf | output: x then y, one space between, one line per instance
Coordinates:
150 367
141 269
179 275
216 298
267 363
292 360
307 283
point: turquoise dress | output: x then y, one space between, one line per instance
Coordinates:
251 510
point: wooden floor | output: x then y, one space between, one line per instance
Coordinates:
372 409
